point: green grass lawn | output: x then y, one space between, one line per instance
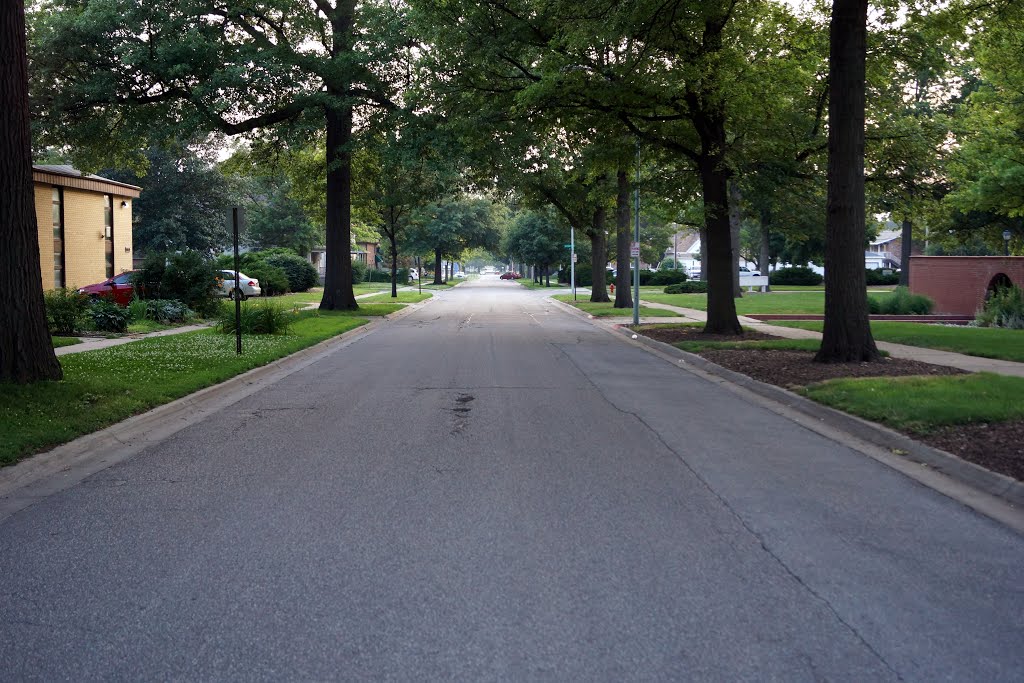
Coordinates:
530 284
64 341
403 298
430 285
605 310
105 386
147 326
367 287
986 342
299 299
755 302
918 404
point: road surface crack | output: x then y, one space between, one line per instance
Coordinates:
743 523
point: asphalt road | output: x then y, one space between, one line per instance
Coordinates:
492 489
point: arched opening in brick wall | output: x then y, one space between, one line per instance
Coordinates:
1000 281
960 285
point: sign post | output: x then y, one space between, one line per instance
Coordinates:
572 264
236 294
634 250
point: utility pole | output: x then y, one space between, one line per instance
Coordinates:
636 241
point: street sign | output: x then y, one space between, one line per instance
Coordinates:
634 249
575 258
568 246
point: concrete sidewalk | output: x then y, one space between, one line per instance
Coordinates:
93 343
925 355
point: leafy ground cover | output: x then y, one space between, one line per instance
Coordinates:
64 341
146 326
985 342
757 302
606 310
105 386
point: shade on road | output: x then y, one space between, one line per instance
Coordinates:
491 488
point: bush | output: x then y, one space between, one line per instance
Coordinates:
797 275
300 272
1003 308
168 311
875 277
65 309
359 270
273 280
262 317
106 316
691 287
189 277
902 302
137 309
667 277
385 276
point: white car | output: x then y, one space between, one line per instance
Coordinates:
413 274
247 286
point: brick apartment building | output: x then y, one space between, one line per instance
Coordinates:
85 226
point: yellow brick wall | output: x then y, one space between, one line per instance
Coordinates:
84 257
44 221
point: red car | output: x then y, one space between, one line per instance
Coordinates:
118 289
510 275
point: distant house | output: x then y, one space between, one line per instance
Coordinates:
85 226
884 251
365 252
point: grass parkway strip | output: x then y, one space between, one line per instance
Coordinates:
105 386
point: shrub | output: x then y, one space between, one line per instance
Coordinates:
65 309
106 316
690 287
273 280
300 272
797 275
385 276
168 311
359 271
668 277
902 302
188 277
1003 308
263 317
137 309
875 277
191 278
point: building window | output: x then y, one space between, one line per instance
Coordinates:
108 232
57 202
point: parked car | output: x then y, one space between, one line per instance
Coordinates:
510 275
744 271
118 289
247 285
413 274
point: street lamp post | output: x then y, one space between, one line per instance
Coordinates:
1006 242
636 241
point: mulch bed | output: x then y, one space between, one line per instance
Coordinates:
998 446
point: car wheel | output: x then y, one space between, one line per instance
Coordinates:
234 292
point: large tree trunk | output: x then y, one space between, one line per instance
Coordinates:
598 256
437 267
623 240
338 294
764 260
720 257
703 252
393 241
905 248
26 353
847 333
734 236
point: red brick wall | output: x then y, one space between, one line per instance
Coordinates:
958 284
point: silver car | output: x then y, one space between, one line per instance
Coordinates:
247 286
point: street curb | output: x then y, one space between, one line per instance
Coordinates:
44 474
898 446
